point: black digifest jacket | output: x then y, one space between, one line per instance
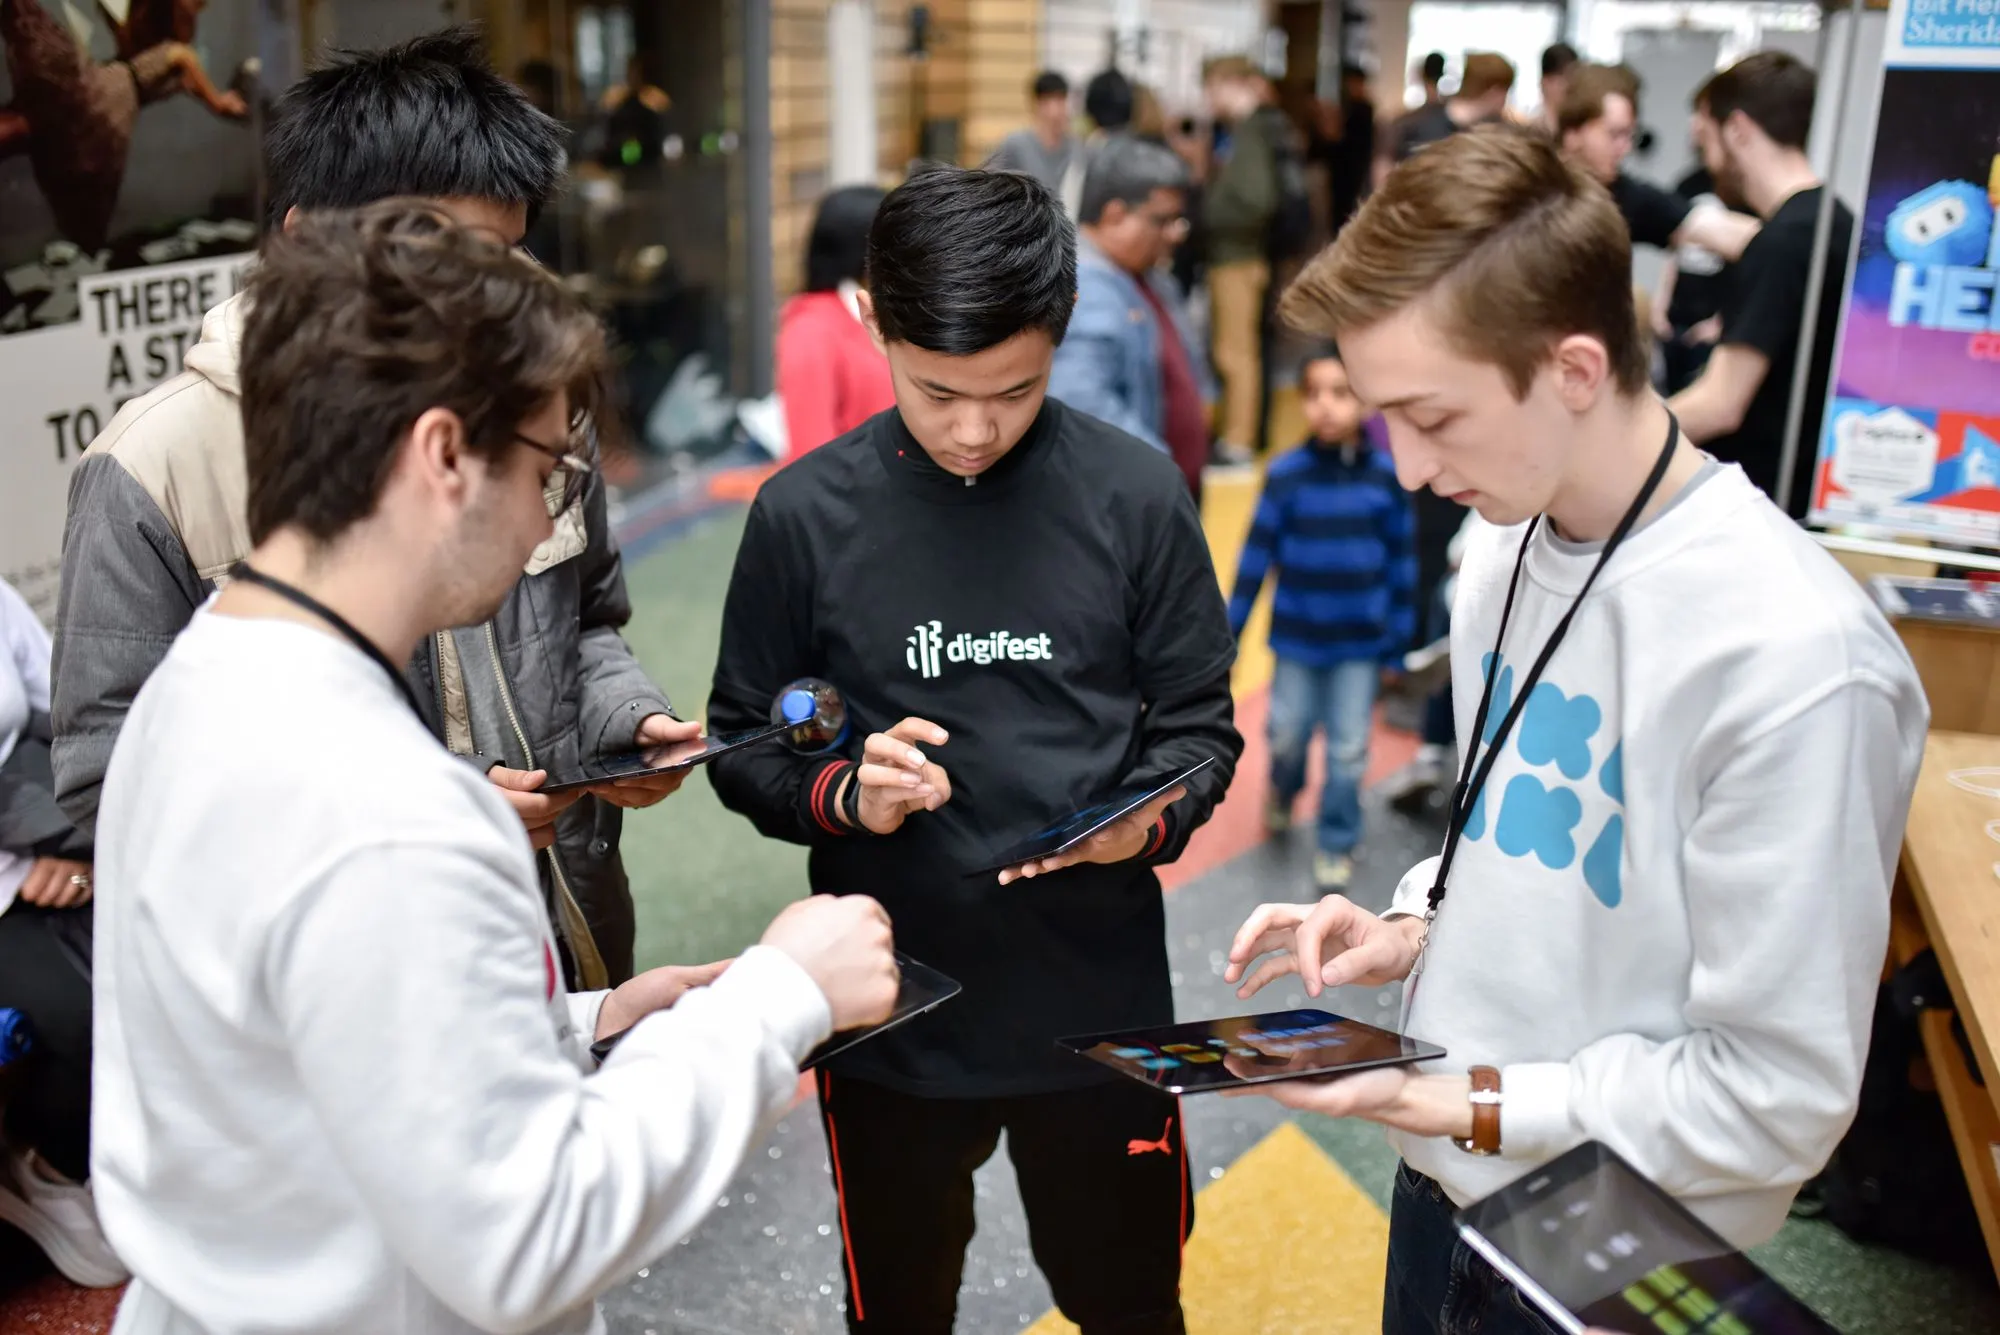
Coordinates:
1059 616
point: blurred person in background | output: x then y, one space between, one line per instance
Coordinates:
831 376
45 948
1430 74
1481 99
1045 149
1334 526
1149 118
1109 103
1595 126
1687 304
1752 121
1557 62
1129 358
633 122
1238 204
1344 143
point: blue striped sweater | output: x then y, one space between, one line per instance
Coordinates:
1338 527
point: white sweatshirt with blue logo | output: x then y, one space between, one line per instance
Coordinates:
1667 918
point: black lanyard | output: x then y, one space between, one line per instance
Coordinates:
306 602
1472 777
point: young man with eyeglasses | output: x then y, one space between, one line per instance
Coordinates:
338 1084
156 516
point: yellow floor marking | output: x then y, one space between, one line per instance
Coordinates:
1284 1244
1228 504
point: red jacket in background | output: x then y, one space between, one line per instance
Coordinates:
830 376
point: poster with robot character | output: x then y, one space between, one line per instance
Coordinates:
128 184
1911 440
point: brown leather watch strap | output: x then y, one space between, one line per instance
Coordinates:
1485 1098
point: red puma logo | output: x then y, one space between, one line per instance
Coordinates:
1148 1146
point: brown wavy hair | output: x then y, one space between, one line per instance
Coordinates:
362 320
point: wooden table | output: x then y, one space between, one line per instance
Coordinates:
1948 897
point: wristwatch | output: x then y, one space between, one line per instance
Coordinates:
1485 1097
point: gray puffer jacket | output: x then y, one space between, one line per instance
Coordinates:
156 521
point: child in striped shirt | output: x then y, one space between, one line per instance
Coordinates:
1337 527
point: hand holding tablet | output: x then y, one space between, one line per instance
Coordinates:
1116 829
669 757
655 731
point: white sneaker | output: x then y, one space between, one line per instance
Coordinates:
1409 789
1277 816
1332 871
1428 668
61 1217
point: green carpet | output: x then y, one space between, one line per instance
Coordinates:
704 882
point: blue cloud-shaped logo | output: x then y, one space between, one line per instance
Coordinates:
1556 729
1612 775
1602 864
1538 820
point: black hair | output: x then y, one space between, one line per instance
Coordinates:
1109 101
960 261
1434 67
1557 59
1049 84
428 118
838 249
1319 350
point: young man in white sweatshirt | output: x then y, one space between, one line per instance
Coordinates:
1660 919
339 1084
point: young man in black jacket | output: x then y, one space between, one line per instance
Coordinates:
1018 604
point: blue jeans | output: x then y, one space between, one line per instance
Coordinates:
1340 699
1436 1284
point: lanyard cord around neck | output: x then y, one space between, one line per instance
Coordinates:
1472 776
304 601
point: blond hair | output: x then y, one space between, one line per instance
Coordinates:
1515 248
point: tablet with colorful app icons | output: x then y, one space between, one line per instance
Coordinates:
1249 1050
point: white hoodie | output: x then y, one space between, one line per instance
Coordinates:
337 1085
1667 918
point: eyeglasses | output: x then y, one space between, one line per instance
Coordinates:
572 472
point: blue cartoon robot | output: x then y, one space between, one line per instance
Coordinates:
1947 223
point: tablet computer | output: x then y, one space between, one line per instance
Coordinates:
1249 1050
663 759
923 989
1060 836
1591 1243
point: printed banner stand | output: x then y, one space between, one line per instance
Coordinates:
1911 440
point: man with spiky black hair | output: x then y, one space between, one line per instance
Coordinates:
157 504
